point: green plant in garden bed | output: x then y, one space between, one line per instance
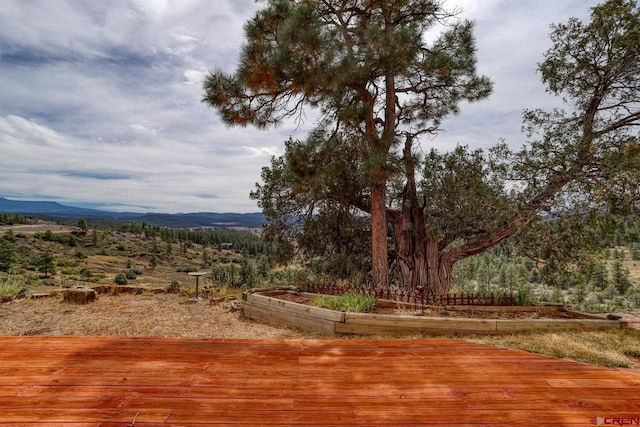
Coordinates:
349 302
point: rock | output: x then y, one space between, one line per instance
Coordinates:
418 313
613 317
79 296
234 306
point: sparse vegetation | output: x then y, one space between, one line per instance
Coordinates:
615 349
136 252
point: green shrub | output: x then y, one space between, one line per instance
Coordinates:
69 271
11 286
121 279
349 302
85 272
293 277
174 287
131 274
187 269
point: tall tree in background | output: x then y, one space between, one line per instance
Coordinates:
557 195
46 263
583 166
580 167
366 67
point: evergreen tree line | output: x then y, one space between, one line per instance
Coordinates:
602 283
241 241
8 219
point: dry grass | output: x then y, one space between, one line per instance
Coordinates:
161 315
605 348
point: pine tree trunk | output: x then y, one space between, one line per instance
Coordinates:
379 256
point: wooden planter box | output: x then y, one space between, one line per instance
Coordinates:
265 308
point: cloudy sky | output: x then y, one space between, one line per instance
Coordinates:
100 101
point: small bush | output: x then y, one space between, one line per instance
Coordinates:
121 279
85 272
350 302
174 287
11 286
187 269
131 274
69 271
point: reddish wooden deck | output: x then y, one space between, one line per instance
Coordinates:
63 381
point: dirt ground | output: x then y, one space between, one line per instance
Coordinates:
160 315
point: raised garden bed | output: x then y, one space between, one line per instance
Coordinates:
295 310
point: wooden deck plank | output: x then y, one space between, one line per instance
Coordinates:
70 415
432 416
82 381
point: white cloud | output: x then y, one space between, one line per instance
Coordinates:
267 152
194 77
101 101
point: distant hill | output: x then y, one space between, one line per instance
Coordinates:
203 220
54 210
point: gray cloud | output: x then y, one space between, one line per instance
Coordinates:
100 101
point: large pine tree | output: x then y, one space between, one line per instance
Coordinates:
558 195
367 67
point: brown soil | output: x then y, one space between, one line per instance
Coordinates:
162 315
457 312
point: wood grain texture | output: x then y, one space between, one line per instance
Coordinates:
97 381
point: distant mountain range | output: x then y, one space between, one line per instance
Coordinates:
54 210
